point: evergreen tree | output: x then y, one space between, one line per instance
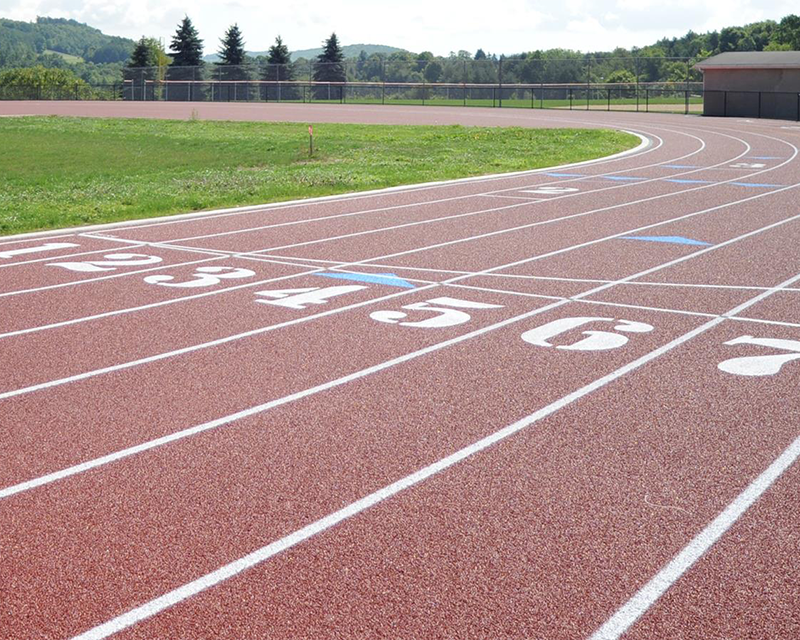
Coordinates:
232 50
330 68
187 61
186 46
232 61
279 67
143 55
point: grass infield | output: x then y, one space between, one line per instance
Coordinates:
61 172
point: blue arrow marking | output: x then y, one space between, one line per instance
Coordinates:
754 184
686 181
669 239
681 166
566 175
389 279
621 178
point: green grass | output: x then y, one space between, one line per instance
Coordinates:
62 172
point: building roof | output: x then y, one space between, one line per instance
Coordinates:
752 60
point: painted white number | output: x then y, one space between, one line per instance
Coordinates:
748 165
447 317
301 298
109 262
551 191
761 365
595 340
204 277
50 246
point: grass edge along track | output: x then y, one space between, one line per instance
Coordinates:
60 172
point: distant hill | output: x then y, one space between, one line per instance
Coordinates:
22 42
350 51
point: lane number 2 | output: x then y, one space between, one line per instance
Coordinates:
110 262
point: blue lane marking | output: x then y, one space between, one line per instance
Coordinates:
389 279
621 178
763 157
669 239
566 175
754 184
687 181
681 166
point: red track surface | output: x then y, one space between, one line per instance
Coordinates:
212 461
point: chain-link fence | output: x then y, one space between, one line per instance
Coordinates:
535 82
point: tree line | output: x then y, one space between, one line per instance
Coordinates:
668 60
99 59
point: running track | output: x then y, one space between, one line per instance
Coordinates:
554 405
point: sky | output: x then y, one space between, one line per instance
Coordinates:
440 26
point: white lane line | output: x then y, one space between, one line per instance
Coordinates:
647 596
197 347
191 431
637 307
190 589
640 149
154 305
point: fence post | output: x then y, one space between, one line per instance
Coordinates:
569 91
500 81
541 95
686 112
759 104
647 99
609 99
798 107
636 62
724 104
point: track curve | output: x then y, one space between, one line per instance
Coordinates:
554 404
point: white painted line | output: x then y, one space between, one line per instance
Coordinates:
190 589
647 596
154 305
197 347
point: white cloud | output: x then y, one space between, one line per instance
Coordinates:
504 26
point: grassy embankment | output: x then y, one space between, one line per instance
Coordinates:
62 172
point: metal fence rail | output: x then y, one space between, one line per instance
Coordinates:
648 97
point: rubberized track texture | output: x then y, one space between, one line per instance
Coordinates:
556 404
